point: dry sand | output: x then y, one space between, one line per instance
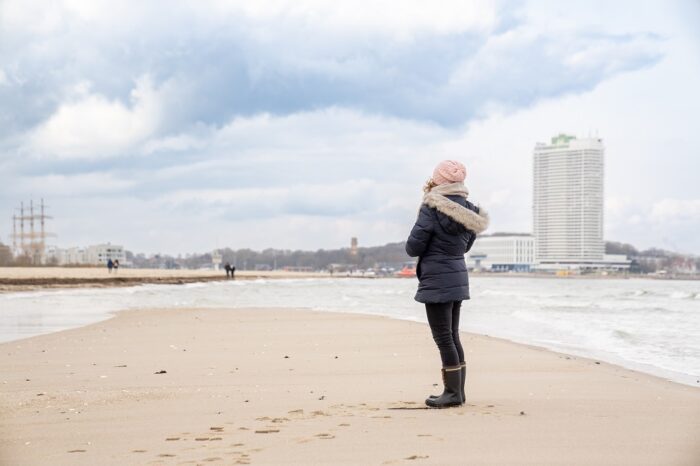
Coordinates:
32 278
298 387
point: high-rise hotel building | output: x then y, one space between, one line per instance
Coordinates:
568 202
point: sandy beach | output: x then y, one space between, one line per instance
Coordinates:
266 386
13 279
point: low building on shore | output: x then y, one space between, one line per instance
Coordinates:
609 263
502 252
98 254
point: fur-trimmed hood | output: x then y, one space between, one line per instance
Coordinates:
437 199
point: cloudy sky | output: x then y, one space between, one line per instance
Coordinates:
180 127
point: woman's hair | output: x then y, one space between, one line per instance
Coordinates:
430 184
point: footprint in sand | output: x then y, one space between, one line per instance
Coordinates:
166 455
213 458
406 405
243 459
77 451
172 439
416 457
217 429
267 431
139 451
325 436
274 420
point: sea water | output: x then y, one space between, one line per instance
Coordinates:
647 325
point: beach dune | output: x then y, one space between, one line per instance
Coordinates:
268 386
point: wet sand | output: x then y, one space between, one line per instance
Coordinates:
270 386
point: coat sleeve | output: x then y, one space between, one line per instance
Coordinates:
421 233
472 234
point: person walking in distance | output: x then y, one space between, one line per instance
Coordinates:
227 268
445 230
110 265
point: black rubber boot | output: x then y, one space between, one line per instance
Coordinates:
463 370
452 395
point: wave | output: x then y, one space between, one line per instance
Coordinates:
626 336
684 295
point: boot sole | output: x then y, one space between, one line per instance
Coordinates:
433 397
450 405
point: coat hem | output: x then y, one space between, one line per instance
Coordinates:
438 302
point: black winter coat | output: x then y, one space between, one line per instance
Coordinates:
443 233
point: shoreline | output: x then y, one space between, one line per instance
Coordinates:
274 386
23 279
667 375
620 364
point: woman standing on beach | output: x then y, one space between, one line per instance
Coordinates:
445 230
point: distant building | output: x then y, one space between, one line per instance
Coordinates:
503 252
5 254
618 262
98 254
216 259
69 256
568 204
353 246
102 253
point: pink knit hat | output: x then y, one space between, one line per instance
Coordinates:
449 171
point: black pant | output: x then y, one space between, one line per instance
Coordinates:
444 324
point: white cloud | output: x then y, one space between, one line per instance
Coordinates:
94 126
612 56
31 17
341 199
377 17
77 185
674 211
177 143
384 17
